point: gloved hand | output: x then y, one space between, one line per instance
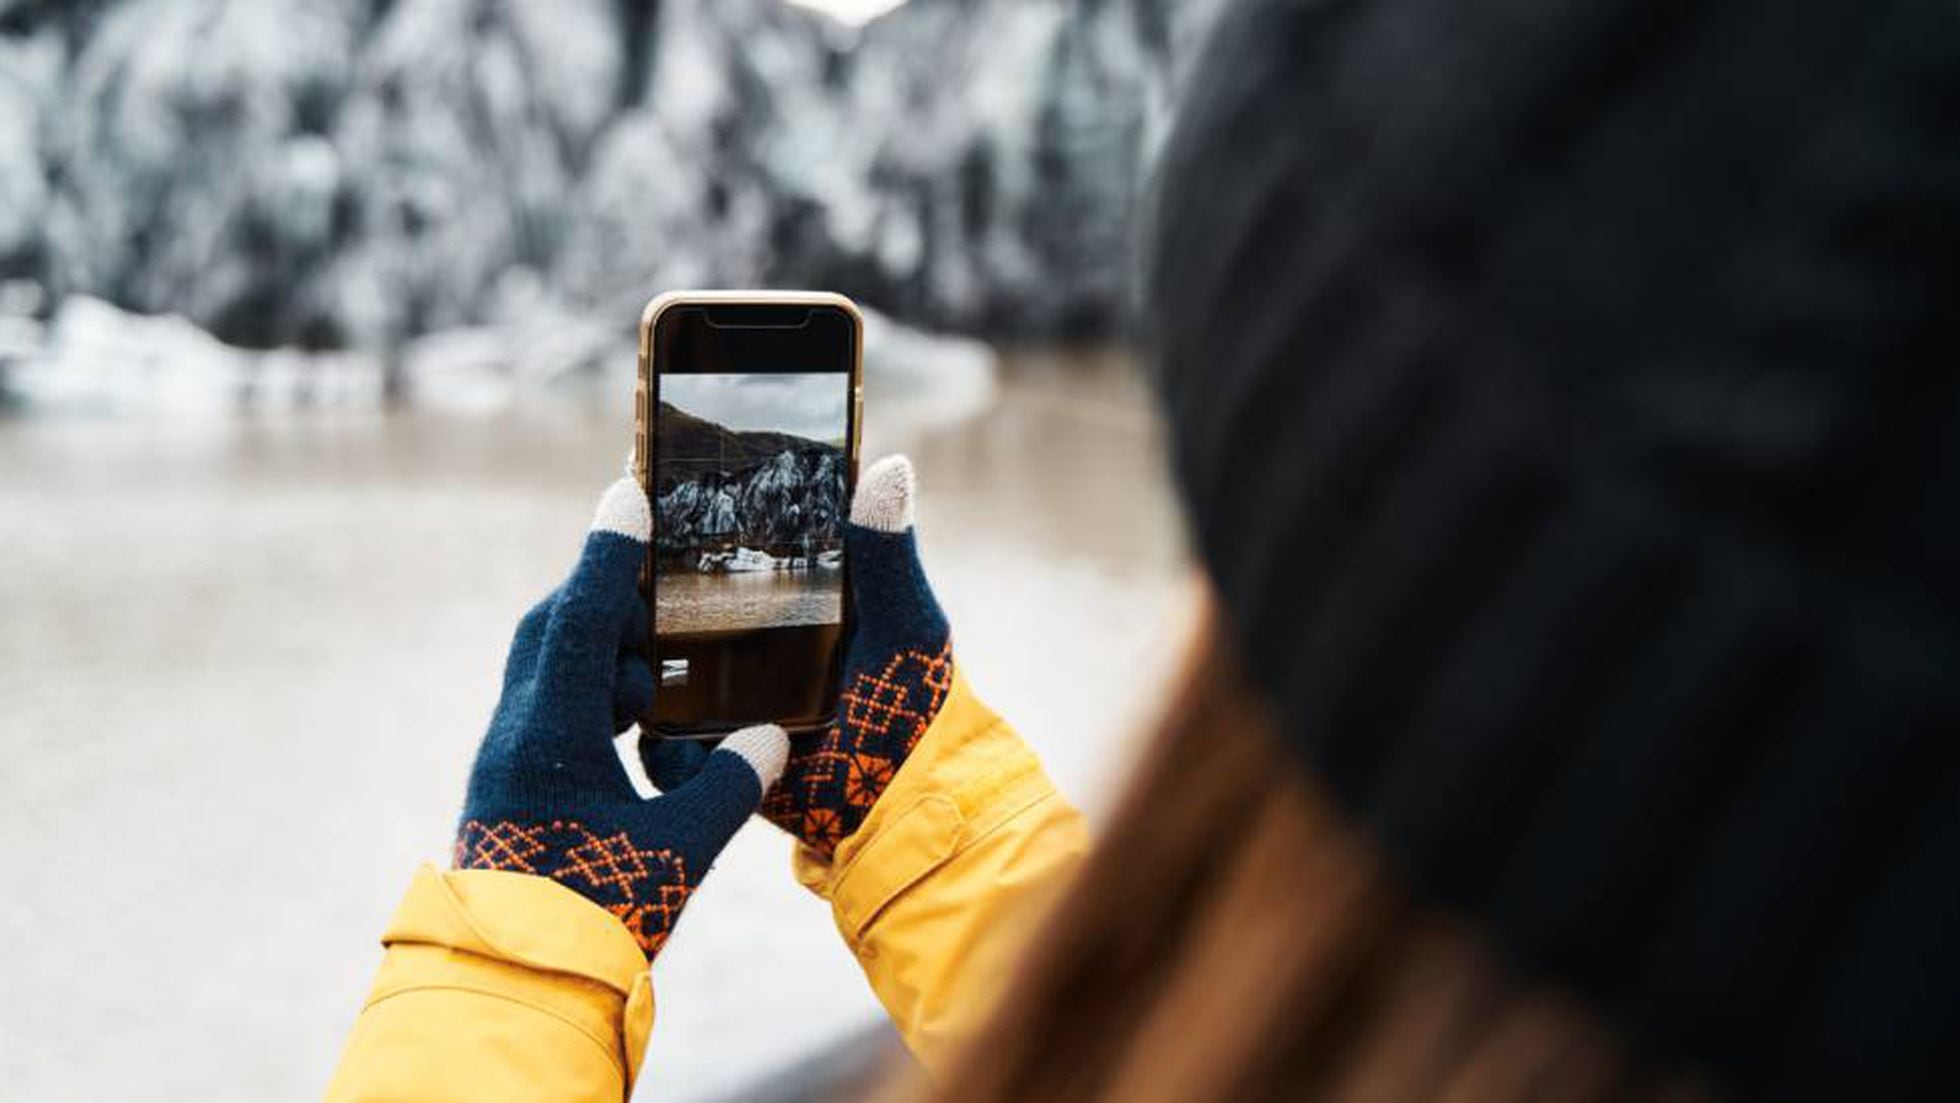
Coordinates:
897 672
549 795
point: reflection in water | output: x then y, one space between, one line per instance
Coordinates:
687 601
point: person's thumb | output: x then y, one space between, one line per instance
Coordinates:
616 545
599 603
700 815
893 603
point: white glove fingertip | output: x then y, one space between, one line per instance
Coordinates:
883 500
624 510
765 747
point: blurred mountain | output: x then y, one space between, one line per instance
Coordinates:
326 174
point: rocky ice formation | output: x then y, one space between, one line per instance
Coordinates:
356 174
788 510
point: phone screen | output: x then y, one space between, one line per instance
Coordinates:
752 462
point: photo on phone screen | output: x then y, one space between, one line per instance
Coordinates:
747 412
749 502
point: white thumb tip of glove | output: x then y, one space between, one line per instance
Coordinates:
624 510
883 501
764 747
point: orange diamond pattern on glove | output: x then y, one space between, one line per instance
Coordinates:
830 786
503 845
646 889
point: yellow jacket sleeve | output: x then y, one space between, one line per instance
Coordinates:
503 987
499 987
937 890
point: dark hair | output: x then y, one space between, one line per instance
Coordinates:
1231 939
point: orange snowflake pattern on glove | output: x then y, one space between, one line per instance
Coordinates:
830 786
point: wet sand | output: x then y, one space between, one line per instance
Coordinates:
245 662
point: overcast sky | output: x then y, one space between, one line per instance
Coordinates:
809 404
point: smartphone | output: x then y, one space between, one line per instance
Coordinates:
747 413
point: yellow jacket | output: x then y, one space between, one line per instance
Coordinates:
501 986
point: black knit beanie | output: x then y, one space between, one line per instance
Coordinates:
1566 400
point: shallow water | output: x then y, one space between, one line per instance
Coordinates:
690 601
245 663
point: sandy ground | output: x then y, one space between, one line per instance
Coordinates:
244 663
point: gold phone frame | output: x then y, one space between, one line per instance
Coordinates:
643 421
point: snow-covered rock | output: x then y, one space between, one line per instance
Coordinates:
331 174
792 503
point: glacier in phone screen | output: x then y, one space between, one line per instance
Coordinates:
749 500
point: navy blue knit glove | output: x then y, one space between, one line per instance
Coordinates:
549 794
897 672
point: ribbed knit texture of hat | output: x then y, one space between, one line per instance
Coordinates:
1566 398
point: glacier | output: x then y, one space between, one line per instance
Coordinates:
332 175
784 513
